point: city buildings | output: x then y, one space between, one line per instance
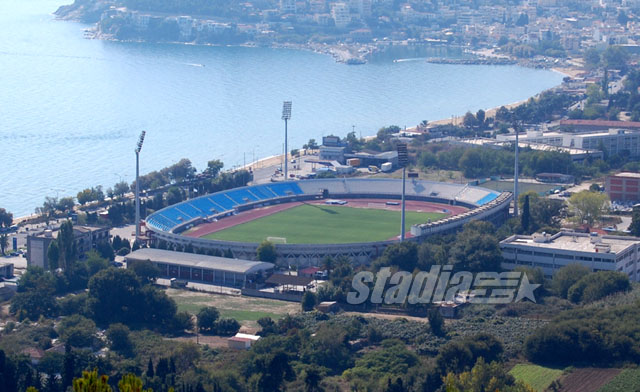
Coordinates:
85 239
624 187
551 252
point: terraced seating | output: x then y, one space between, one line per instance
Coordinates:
286 189
241 196
223 201
204 204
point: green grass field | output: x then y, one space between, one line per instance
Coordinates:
324 224
627 380
538 377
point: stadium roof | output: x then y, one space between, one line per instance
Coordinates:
289 280
202 261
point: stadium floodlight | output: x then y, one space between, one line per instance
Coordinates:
138 149
516 128
286 116
403 161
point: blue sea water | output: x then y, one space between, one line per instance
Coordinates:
71 109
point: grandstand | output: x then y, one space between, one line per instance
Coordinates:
168 223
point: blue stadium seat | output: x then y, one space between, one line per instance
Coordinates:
205 205
241 196
223 201
189 210
487 199
286 189
175 215
259 193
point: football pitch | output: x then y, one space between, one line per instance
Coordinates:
325 224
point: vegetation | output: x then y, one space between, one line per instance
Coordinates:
627 380
538 377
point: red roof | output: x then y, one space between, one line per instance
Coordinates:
602 123
309 270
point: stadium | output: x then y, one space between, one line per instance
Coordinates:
311 219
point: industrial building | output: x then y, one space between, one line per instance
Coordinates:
551 252
201 268
85 238
623 187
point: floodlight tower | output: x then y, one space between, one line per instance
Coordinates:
403 160
286 116
138 148
515 171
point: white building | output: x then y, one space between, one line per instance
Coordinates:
551 252
340 14
614 141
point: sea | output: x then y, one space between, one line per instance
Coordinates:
71 108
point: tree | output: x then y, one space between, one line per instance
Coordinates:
267 252
66 245
566 277
145 270
174 195
598 285
120 188
634 228
207 318
6 219
91 382
476 250
119 341
469 120
525 219
53 255
131 383
592 58
114 296
76 330
95 263
436 321
227 326
312 377
308 301
214 167
588 206
150 373
484 377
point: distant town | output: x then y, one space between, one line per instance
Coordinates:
537 32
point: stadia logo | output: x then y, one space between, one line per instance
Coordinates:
440 284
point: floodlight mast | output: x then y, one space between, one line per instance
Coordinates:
137 198
516 128
403 160
286 116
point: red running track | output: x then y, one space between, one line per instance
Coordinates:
256 213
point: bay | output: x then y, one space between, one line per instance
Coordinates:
71 109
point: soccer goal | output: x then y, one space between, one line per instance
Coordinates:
277 240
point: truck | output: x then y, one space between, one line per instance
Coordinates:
387 167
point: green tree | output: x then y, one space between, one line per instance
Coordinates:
95 263
66 246
53 255
308 301
131 383
566 277
436 321
77 330
634 228
120 188
91 382
174 195
119 340
145 270
6 219
598 285
588 206
484 377
267 252
207 318
214 167
476 250
114 296
525 218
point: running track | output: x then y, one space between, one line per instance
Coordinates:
256 213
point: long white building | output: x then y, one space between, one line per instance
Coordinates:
614 141
551 252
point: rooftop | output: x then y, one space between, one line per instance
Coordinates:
601 123
196 260
627 174
570 241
